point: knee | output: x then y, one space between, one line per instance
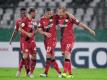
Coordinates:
25 56
48 55
67 56
53 59
33 56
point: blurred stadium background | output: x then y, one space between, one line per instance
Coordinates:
89 51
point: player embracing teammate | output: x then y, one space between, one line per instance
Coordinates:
65 22
47 27
26 26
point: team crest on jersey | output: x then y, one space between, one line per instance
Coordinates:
23 24
66 20
51 20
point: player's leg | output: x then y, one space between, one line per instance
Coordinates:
66 47
67 65
27 62
47 66
32 65
54 63
33 59
48 61
67 59
24 60
25 51
21 62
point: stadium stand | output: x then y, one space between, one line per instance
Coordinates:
85 10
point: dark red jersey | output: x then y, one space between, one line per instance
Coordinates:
66 26
28 26
49 25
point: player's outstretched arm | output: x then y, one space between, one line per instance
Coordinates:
13 36
87 28
80 23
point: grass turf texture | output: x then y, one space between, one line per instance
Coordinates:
79 74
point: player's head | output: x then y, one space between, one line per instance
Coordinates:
23 12
32 12
61 11
48 12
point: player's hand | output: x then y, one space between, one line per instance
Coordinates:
47 34
20 29
92 32
29 34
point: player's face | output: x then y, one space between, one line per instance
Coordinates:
48 13
33 14
61 12
23 13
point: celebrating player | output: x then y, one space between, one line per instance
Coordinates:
66 22
27 41
23 13
28 45
48 29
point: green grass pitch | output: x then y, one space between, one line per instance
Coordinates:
79 74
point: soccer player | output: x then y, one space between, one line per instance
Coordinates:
66 23
27 29
23 13
27 41
48 29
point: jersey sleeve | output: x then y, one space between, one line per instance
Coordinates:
17 25
24 22
74 20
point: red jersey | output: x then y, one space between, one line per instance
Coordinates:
66 26
18 21
28 26
49 25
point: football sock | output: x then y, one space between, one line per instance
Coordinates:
54 63
48 63
66 65
21 63
32 65
27 65
70 69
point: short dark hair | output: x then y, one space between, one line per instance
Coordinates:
47 9
22 9
31 10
